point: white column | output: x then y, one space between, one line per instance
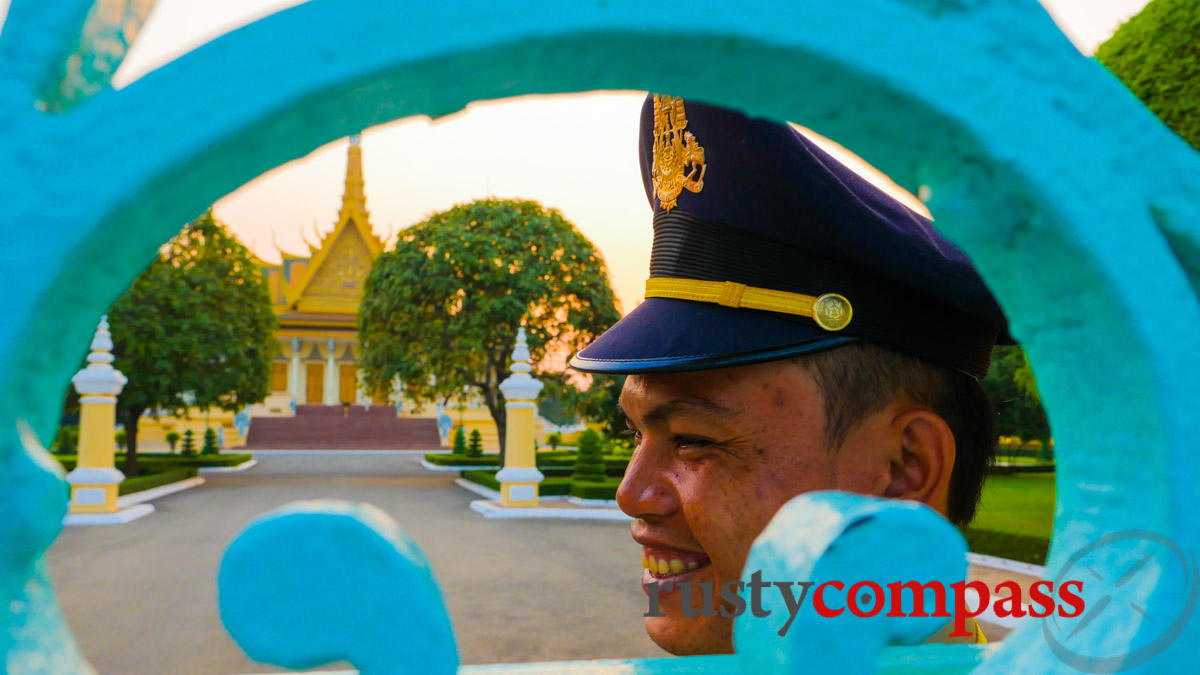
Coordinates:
294 373
331 376
301 396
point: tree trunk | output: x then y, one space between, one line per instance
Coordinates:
130 419
491 398
500 421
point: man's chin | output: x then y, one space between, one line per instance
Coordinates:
687 636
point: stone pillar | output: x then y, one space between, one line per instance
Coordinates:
331 376
95 479
519 478
294 383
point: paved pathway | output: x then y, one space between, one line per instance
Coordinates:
141 598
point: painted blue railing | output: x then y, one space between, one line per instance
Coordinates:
1080 209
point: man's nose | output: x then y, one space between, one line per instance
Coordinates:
646 491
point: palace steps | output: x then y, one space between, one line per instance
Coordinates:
319 427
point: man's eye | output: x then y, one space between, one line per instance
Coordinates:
691 442
632 433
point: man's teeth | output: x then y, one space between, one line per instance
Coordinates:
666 567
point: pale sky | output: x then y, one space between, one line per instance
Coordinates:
575 153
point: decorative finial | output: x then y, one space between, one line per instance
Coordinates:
355 140
102 343
520 355
520 385
99 377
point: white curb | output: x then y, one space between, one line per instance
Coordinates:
126 515
226 469
580 501
160 491
485 492
491 509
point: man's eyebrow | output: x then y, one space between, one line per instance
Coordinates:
678 406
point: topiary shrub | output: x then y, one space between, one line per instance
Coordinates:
589 466
475 447
172 439
210 442
460 441
189 443
1157 55
120 437
554 440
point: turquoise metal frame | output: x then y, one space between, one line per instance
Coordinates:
1079 207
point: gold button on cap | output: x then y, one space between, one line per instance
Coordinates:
832 311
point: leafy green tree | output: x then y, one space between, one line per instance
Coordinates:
196 328
598 402
1157 55
460 441
475 446
441 311
554 440
172 439
66 441
590 464
189 443
1010 385
120 438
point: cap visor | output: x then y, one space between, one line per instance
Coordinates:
663 335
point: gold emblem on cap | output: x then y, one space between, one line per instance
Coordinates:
832 311
678 160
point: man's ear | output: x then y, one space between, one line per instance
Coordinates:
922 470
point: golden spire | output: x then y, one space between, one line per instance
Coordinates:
354 201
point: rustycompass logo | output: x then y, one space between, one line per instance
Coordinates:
1122 571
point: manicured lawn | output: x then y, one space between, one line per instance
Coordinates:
1020 503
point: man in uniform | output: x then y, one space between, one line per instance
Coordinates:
801 331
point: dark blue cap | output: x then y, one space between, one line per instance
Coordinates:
766 247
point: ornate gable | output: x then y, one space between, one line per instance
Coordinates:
337 281
332 281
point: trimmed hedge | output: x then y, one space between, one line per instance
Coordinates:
223 459
444 459
153 480
605 490
1156 54
550 463
614 465
169 461
1021 547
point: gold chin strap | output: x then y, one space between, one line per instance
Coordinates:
831 311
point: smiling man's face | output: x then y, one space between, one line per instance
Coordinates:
718 453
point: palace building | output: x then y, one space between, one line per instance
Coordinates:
316 299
